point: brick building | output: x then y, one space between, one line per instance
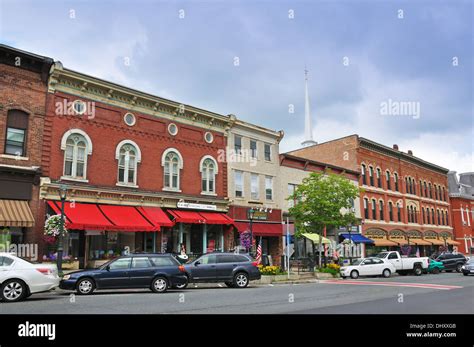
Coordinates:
23 87
404 203
461 197
142 172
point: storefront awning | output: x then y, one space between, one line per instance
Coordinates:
419 242
16 213
384 243
260 229
315 238
82 216
156 216
435 242
126 218
216 218
452 242
398 241
190 217
357 238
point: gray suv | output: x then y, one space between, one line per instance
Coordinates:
235 270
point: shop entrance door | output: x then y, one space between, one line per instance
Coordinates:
196 239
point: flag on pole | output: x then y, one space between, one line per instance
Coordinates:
259 251
417 252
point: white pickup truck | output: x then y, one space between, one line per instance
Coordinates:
405 265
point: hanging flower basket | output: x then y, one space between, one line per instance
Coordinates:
52 227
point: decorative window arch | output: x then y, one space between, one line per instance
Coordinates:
209 169
387 179
363 169
371 175
77 146
128 155
172 162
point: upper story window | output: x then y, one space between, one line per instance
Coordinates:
173 129
379 178
291 191
128 155
399 212
387 180
269 188
76 145
268 152
238 144
129 119
238 183
208 174
374 209
364 176
395 181
254 187
172 163
390 211
208 137
253 148
79 107
381 210
371 175
421 188
366 208
430 191
17 128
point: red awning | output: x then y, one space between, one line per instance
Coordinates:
156 216
126 218
260 229
187 217
82 216
216 218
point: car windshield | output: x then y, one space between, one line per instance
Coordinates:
357 262
382 255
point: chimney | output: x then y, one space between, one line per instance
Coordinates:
410 152
395 147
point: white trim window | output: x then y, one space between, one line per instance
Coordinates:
253 148
268 152
208 168
238 184
254 187
172 163
268 188
128 156
77 146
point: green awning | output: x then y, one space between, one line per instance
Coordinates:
315 238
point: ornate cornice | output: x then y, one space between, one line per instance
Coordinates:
75 83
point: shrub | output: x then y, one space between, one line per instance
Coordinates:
270 270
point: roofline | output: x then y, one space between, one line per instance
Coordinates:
279 134
290 156
322 143
42 58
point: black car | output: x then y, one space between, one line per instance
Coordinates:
468 267
235 270
452 261
142 270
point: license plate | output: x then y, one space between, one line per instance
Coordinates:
472 271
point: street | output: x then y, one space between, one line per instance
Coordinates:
446 293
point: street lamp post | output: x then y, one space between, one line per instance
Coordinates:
250 217
59 259
349 228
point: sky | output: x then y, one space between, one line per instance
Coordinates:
412 58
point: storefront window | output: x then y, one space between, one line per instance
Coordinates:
214 238
110 244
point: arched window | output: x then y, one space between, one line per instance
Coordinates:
432 216
366 208
208 168
374 209
395 181
399 212
371 175
128 155
387 180
364 176
77 146
172 163
390 211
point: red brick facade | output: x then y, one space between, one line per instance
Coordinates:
463 223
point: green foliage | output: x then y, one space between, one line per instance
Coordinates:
323 200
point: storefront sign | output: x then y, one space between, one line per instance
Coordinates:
259 215
189 205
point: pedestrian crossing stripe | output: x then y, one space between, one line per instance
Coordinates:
392 284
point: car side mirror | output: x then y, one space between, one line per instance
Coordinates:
197 263
107 267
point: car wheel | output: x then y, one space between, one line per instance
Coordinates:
85 286
354 274
465 273
386 273
343 277
435 271
459 268
418 271
159 285
181 286
229 284
13 290
241 280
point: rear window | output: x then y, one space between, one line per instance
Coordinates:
5 261
241 258
226 259
164 261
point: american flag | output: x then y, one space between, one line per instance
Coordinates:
259 251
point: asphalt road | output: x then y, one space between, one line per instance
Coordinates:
428 294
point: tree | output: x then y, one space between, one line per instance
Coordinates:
323 200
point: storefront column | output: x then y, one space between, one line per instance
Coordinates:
154 242
204 239
222 240
181 228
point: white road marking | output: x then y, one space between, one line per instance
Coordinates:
392 284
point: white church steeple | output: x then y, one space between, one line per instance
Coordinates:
308 127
